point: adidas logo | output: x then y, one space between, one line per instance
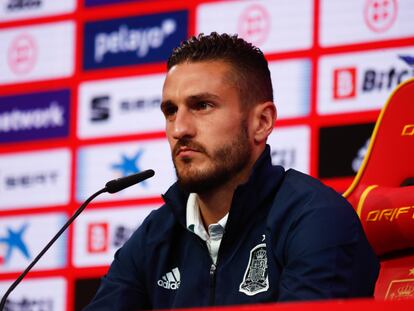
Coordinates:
171 280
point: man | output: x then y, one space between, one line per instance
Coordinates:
234 229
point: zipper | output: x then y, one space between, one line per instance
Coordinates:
212 274
212 284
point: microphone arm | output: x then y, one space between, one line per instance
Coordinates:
112 186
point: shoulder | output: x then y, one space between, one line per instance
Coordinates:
155 229
309 193
313 215
158 223
154 226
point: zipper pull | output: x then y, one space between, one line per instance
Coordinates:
212 270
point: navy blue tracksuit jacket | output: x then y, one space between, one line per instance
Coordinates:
288 237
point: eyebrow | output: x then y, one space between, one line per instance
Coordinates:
191 99
202 96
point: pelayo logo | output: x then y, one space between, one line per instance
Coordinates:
133 40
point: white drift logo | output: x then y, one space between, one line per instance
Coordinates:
129 40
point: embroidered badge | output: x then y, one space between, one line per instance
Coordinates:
256 279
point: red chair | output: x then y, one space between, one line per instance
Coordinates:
382 193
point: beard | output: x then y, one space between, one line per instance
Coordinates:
224 163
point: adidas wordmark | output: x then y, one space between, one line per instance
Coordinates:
171 280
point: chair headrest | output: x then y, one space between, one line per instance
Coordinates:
387 215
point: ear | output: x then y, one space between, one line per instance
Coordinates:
264 116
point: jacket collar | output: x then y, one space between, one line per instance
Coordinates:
247 199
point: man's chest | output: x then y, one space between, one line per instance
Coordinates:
182 274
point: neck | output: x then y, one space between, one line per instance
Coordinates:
215 203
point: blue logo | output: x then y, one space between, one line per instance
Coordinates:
34 116
133 40
89 3
14 241
408 59
129 165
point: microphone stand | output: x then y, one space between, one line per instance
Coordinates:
45 249
112 186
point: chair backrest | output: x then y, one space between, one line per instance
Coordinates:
382 193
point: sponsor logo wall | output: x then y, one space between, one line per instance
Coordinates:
361 81
290 147
120 106
345 159
34 179
291 83
105 162
24 9
132 40
31 294
359 21
99 233
34 116
37 52
274 26
80 89
19 248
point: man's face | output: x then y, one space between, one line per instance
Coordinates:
206 128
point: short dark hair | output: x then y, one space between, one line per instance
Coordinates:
252 74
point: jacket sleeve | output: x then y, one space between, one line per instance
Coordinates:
326 255
123 288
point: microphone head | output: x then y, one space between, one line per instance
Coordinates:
119 184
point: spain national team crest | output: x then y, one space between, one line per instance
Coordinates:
256 278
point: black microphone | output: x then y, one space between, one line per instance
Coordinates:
112 186
125 182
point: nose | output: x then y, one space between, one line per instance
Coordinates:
183 124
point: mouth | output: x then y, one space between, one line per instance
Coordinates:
184 152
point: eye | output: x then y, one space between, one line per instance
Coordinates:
168 110
202 105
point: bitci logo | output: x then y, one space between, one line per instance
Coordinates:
100 239
344 85
97 237
380 15
22 54
254 24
